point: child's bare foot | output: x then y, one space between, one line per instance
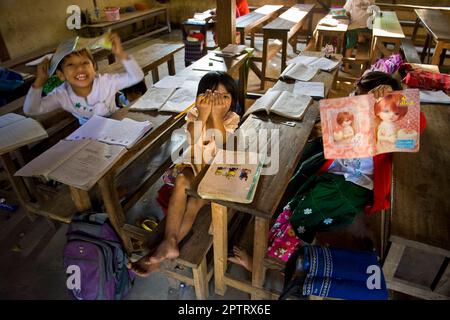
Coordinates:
241 257
142 267
168 249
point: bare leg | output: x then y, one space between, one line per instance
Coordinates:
168 249
348 54
242 258
192 209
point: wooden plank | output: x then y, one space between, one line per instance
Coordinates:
220 227
437 22
388 26
289 19
420 204
256 18
259 251
410 52
226 22
201 281
126 19
246 286
148 58
80 198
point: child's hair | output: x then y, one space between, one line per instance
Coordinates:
83 52
374 79
391 102
211 81
344 116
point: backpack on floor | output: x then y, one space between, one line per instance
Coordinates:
95 260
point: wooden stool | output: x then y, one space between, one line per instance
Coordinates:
323 31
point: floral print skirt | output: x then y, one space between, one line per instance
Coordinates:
325 201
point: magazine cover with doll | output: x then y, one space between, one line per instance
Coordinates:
362 126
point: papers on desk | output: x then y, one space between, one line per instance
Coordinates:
283 103
125 132
211 64
312 89
171 94
75 163
315 62
329 22
434 97
17 131
232 50
299 71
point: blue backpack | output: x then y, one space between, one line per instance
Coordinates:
95 260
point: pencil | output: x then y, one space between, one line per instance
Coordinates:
184 111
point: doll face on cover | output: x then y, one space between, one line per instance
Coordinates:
388 109
344 119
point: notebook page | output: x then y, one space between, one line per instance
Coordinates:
125 132
312 89
306 60
301 72
88 165
51 159
180 100
324 64
10 118
264 103
291 105
20 133
153 99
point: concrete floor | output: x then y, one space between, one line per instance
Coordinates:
31 252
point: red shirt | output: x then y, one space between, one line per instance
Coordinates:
241 8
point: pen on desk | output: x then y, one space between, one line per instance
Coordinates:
215 60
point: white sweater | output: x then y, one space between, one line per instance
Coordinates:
100 101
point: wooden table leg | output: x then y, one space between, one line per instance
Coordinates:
81 199
318 43
16 182
114 208
425 48
373 49
416 28
242 84
155 75
264 61
259 252
252 39
437 53
284 52
168 21
242 36
220 245
171 66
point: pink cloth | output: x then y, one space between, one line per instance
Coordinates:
282 238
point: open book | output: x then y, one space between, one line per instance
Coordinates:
172 95
321 63
233 176
283 103
75 163
17 131
232 50
125 132
361 126
299 71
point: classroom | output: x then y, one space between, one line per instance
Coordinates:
225 150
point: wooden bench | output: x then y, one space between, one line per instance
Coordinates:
417 260
150 58
323 31
409 51
248 23
386 29
285 27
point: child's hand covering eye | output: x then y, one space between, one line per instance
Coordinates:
204 105
219 106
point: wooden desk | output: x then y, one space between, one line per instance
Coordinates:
246 24
268 194
325 31
437 24
150 58
421 207
386 29
284 27
126 19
